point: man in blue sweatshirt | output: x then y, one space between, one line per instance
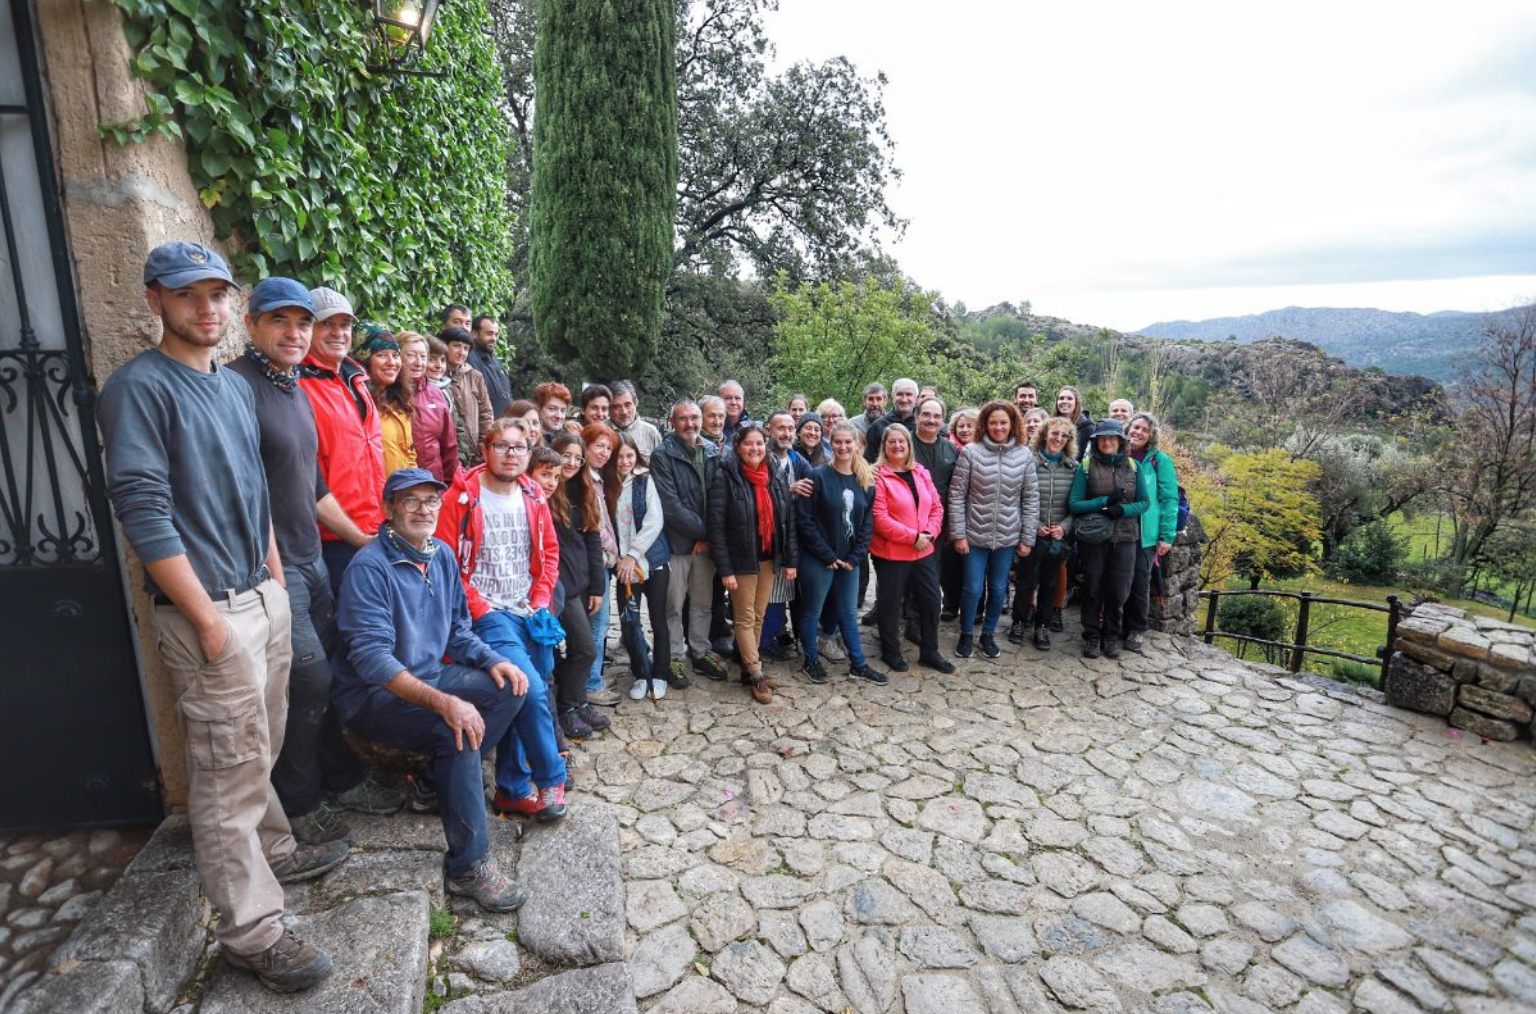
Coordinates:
402 610
185 477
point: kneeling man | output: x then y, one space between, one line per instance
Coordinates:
402 610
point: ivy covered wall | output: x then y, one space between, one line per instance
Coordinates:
390 189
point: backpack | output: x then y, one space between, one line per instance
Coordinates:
1183 512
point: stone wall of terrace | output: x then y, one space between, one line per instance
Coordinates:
1477 671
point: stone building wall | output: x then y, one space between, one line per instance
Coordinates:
119 202
1477 671
1176 612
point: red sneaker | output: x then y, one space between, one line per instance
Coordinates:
505 806
551 804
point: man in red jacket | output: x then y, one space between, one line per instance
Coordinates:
351 445
500 528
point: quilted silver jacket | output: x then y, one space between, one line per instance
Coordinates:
994 496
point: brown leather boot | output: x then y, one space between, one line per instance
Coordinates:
761 691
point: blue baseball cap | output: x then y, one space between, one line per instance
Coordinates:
405 478
178 264
276 293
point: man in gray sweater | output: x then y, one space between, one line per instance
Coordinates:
185 477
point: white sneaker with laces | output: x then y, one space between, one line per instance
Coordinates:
637 691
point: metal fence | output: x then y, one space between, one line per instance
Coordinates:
1298 647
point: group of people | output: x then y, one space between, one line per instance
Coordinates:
355 533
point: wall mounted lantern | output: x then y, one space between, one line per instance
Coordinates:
401 28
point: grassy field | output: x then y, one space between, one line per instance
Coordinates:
1342 628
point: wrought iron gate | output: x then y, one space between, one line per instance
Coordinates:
74 741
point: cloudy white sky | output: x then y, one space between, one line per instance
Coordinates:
1122 162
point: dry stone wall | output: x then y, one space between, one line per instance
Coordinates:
1175 611
1477 671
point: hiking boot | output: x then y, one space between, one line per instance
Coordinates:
603 698
785 639
505 806
596 720
895 663
815 671
310 861
829 648
1135 642
1090 647
1111 648
320 825
551 804
420 798
710 665
1042 639
774 652
572 724
676 678
761 692
936 662
371 796
288 966
486 886
963 647
1057 625
869 619
869 674
989 646
1016 632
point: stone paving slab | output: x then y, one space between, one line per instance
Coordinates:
379 945
1172 832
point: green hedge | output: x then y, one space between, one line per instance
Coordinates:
392 190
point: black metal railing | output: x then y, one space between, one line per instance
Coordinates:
1298 647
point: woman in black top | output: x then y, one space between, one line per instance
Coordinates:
578 516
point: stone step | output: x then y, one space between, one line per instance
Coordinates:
379 946
574 915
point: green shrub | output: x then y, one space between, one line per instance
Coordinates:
1358 673
1254 616
1371 554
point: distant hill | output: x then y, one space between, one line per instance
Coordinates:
1431 345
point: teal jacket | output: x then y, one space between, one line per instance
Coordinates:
1161 521
1079 502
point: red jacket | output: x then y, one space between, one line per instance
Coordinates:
460 525
351 444
898 520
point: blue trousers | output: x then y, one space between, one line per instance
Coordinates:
599 625
835 592
455 772
529 743
989 567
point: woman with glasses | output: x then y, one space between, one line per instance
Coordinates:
1039 572
432 427
578 529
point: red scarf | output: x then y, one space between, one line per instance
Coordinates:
758 477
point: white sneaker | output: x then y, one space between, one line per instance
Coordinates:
661 688
637 691
830 649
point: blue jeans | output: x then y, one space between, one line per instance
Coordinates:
600 634
989 566
455 772
840 589
530 741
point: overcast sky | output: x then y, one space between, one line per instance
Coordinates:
1122 163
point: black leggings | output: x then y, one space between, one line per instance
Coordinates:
896 580
1037 572
654 591
572 668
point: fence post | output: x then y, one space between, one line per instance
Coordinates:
1393 613
1210 617
1303 618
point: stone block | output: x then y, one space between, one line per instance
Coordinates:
379 946
1500 681
1526 689
1463 639
1464 670
1494 704
1419 688
605 989
169 848
1421 629
1510 655
1427 654
1482 725
1492 623
574 914
95 987
380 873
401 831
153 920
1440 611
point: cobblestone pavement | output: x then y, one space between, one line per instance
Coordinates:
48 882
1169 833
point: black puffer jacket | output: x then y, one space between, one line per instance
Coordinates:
733 542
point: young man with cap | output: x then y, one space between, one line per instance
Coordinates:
315 759
469 393
483 358
350 441
184 474
402 611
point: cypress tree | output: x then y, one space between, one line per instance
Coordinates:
604 180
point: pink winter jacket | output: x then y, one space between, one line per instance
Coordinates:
898 520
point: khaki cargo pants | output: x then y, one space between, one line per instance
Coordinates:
232 710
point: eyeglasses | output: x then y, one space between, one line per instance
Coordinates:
573 459
420 503
502 447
